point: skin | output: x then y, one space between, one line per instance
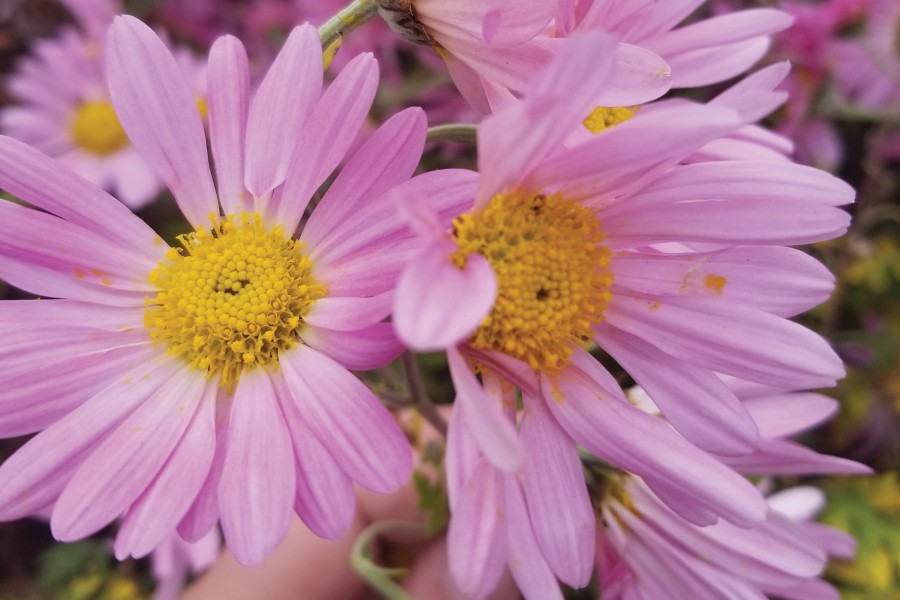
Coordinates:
306 567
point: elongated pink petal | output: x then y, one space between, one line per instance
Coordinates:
484 417
155 514
476 544
256 492
17 314
347 418
332 127
774 279
350 313
388 157
784 457
279 109
357 350
229 98
526 562
783 414
324 498
590 406
32 478
558 504
697 403
495 22
439 304
159 112
639 76
126 462
461 457
722 30
39 180
735 340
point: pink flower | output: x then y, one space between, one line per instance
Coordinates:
176 387
175 558
496 47
647 552
703 52
561 246
64 108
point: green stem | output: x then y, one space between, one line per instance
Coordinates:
380 578
457 132
352 16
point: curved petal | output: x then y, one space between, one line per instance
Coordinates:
128 460
155 514
279 109
347 418
439 304
331 130
494 432
558 504
357 350
159 113
229 97
256 492
350 313
639 76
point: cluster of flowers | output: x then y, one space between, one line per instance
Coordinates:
209 382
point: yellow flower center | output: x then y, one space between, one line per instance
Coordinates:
232 297
602 118
551 270
96 128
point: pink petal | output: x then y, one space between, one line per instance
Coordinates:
735 340
484 417
639 76
279 109
697 403
347 418
126 462
527 564
558 504
328 135
475 540
437 303
784 457
325 499
229 95
461 458
256 492
159 112
590 406
155 514
499 23
357 350
350 313
784 414
39 180
33 477
389 156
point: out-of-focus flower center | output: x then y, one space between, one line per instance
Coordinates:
96 128
551 270
602 117
232 297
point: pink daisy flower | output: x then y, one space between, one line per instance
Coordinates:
65 111
177 387
704 52
563 246
494 48
647 552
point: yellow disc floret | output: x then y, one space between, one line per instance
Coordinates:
96 128
551 270
232 297
602 117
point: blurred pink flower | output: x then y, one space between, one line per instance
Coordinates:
64 108
180 386
175 558
647 552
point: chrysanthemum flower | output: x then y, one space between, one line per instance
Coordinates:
492 48
64 108
562 247
647 552
210 381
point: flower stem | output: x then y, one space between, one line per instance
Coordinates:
352 16
381 578
421 401
457 132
